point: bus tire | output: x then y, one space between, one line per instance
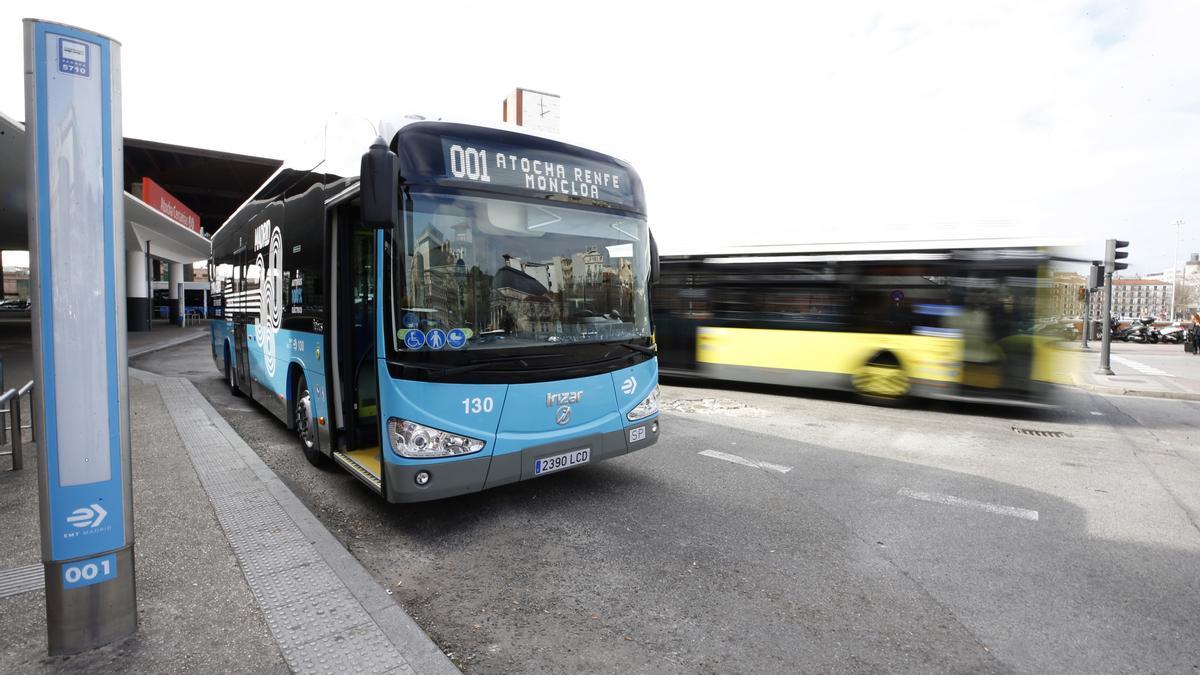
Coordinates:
230 378
306 425
881 380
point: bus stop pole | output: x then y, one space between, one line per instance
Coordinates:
77 252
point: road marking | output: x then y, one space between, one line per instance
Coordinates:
951 500
1140 367
716 454
1097 413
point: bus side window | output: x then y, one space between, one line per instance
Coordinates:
238 306
798 307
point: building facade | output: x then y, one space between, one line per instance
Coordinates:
16 282
1067 295
1137 298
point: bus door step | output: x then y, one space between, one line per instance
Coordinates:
363 464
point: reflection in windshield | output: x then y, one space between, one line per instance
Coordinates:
514 274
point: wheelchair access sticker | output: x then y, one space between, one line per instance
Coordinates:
414 339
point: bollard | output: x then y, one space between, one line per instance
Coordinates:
6 400
3 427
18 429
28 388
18 462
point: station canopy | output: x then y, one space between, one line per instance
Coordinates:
212 184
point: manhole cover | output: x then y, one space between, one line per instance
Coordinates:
1041 433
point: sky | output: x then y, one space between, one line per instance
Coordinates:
750 123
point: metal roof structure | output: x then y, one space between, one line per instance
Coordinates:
212 183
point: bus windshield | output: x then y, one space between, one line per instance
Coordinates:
485 273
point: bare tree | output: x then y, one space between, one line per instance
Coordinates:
1187 299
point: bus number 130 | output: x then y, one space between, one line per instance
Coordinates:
477 405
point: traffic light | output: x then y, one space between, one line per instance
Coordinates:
1112 254
1095 275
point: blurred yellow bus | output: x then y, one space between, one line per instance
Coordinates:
953 320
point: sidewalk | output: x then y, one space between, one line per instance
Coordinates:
1153 371
163 336
233 572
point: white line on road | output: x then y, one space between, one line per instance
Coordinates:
951 500
716 454
1140 367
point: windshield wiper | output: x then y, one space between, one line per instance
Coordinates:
638 348
438 371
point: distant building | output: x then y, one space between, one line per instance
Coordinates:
1188 292
1191 269
1186 296
1137 298
1067 294
16 282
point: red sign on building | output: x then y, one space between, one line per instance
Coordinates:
161 200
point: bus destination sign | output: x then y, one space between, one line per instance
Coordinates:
540 171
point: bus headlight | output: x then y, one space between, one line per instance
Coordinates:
646 408
418 441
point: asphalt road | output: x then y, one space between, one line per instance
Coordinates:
858 538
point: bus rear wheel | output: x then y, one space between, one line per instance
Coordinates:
881 381
306 425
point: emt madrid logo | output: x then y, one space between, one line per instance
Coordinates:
87 516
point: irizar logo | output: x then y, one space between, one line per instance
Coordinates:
629 385
87 516
563 398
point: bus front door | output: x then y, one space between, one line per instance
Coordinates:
354 322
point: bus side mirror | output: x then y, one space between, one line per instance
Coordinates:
379 186
654 271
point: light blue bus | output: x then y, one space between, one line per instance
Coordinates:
461 307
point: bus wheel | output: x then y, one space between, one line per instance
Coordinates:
230 376
306 425
881 381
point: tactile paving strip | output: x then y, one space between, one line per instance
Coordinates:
358 650
317 623
336 608
21 580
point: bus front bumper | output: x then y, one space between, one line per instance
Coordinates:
463 476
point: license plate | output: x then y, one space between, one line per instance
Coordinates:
637 434
564 461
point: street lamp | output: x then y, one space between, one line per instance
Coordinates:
1175 266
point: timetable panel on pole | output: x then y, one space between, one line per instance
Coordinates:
77 253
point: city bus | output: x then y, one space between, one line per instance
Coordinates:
446 309
951 320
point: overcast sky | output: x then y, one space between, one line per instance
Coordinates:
750 123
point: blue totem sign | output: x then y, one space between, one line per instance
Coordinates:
77 254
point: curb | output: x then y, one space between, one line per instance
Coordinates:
413 644
1142 393
142 351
